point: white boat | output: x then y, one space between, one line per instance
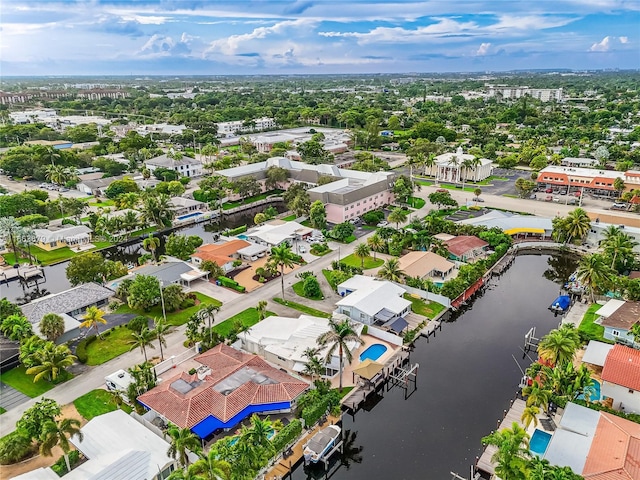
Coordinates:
321 443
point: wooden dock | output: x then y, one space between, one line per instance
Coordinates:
285 466
24 273
504 263
514 414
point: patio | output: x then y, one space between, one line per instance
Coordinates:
245 278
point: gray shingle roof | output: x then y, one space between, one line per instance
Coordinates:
65 302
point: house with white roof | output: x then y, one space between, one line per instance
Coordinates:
283 341
370 301
450 167
277 232
73 236
184 167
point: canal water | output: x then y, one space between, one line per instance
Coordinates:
466 379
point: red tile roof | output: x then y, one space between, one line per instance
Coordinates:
188 409
464 243
615 450
220 253
622 367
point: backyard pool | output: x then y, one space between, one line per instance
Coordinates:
594 394
539 442
189 215
373 352
242 237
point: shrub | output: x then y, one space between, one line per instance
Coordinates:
260 271
60 467
287 435
114 304
68 221
81 349
187 303
372 218
136 324
312 413
237 263
236 231
14 447
365 329
192 371
230 283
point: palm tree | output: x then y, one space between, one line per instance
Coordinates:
428 162
10 230
183 440
314 366
282 256
92 318
53 154
537 395
620 244
208 312
261 308
142 340
397 216
391 270
340 333
257 435
477 192
529 414
211 467
559 345
151 244
57 434
577 224
161 328
465 166
50 361
362 251
512 453
593 273
16 327
56 174
376 243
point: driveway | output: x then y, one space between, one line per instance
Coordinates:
210 289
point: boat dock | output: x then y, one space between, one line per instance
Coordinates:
285 465
504 263
514 414
24 273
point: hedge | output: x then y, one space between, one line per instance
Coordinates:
236 231
81 349
312 413
15 447
288 434
231 283
60 467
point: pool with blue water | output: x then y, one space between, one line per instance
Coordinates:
374 352
539 442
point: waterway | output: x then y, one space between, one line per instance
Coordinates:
466 379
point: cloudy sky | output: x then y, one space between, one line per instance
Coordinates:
218 37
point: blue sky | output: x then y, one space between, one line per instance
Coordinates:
219 37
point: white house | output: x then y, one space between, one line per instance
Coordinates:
618 317
369 300
283 341
277 232
621 378
185 166
450 167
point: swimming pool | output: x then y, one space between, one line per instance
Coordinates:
373 352
189 215
594 393
539 442
242 237
235 439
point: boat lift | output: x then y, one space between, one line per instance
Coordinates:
530 340
403 378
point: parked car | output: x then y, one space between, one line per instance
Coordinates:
548 198
556 199
478 199
442 190
549 190
64 189
572 201
382 223
302 249
533 196
619 206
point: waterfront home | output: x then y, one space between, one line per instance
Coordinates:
183 206
596 445
227 387
116 446
617 317
70 305
173 271
371 301
520 226
466 248
184 167
224 254
73 236
283 341
278 232
425 265
621 378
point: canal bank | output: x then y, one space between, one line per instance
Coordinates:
467 378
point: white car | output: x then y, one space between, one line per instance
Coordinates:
383 223
302 249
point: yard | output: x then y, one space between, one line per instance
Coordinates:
174 318
247 318
369 262
45 257
114 343
298 287
96 403
416 202
248 200
18 379
290 218
302 308
424 308
589 327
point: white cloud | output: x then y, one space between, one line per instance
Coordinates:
163 45
602 46
483 49
146 19
623 40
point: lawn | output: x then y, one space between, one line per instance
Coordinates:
104 203
446 185
54 256
247 318
174 318
116 342
290 218
248 200
508 195
328 274
302 308
369 262
417 202
18 379
587 325
96 403
349 239
426 309
2 410
298 287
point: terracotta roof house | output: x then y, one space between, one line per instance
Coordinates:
466 248
621 378
224 254
227 388
617 317
425 264
596 445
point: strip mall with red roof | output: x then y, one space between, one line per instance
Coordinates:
593 180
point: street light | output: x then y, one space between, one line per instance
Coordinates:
164 313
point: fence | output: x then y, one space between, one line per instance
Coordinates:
434 297
173 361
386 336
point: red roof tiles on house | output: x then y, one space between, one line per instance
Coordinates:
615 450
220 253
202 399
622 367
464 243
